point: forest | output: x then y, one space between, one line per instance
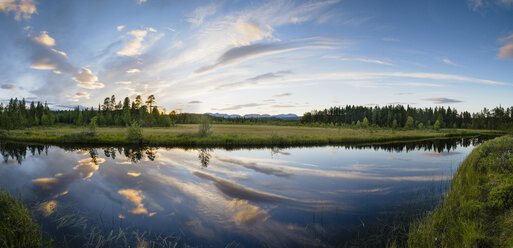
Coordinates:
399 116
18 114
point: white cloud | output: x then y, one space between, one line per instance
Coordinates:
59 52
120 27
21 8
134 47
200 13
448 61
87 80
45 39
135 70
139 2
124 82
57 72
251 31
365 60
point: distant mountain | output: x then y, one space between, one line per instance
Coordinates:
280 116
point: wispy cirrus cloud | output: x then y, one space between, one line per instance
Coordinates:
8 86
238 107
135 45
238 54
442 100
282 95
200 13
254 80
506 51
448 61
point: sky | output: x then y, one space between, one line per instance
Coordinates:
259 57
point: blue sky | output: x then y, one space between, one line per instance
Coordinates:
259 56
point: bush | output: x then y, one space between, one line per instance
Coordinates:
501 196
134 133
204 127
17 229
93 125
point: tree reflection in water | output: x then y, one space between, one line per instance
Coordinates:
18 152
204 156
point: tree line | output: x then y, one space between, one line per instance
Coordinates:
16 114
398 116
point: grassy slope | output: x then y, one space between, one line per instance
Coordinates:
17 229
478 210
226 135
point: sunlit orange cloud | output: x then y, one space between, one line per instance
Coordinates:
135 197
246 213
88 166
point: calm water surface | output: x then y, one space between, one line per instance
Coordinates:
314 196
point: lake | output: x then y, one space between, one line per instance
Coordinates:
301 196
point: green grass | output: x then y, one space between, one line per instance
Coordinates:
478 209
228 135
17 229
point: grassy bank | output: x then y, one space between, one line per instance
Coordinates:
17 229
478 209
227 135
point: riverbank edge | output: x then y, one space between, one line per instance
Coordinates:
477 211
218 141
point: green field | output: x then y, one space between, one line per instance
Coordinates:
229 135
478 209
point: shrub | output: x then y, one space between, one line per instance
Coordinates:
204 127
134 133
93 125
501 196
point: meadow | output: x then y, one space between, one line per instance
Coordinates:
223 135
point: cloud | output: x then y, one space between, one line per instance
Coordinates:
476 5
442 100
45 39
506 51
134 47
124 82
21 8
195 102
282 106
282 95
82 95
43 57
252 31
448 61
8 86
200 13
87 80
133 71
246 213
139 2
364 60
120 27
254 80
135 197
238 54
240 106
